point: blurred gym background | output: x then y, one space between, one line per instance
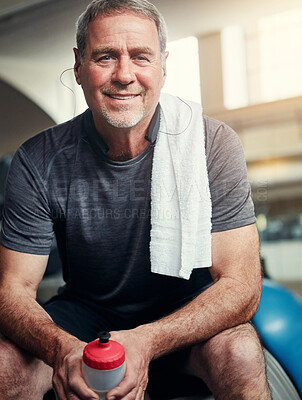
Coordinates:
242 59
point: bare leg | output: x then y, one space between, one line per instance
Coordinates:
232 365
21 375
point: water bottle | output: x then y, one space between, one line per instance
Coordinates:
103 364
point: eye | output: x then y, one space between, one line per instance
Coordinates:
141 59
105 59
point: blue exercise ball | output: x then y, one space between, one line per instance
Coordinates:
279 323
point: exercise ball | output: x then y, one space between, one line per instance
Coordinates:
279 323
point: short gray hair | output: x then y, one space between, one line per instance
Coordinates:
109 7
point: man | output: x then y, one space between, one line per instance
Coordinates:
82 180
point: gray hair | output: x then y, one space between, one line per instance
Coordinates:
108 7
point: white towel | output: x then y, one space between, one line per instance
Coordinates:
180 195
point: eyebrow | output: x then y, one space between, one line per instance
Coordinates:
111 50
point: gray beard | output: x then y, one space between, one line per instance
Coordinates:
123 121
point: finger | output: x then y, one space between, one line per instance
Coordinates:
77 384
58 388
129 389
140 393
61 386
131 395
60 394
136 394
127 385
72 386
79 388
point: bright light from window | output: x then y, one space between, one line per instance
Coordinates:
280 43
183 76
261 222
235 90
263 63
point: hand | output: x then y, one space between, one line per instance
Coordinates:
68 381
138 358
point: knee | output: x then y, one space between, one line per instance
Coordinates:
8 352
236 347
16 370
11 362
243 348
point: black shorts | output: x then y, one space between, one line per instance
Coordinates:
81 321
76 318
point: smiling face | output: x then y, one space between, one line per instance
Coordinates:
122 73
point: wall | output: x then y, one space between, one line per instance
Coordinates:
20 118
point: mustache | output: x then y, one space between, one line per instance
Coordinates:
122 89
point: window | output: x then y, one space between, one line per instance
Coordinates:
183 76
263 62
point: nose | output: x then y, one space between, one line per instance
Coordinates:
123 72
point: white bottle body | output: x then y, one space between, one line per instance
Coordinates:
101 381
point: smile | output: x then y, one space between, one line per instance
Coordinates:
122 97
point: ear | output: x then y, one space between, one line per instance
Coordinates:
77 65
164 67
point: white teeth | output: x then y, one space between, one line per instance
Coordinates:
122 97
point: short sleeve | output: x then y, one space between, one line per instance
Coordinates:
27 224
232 205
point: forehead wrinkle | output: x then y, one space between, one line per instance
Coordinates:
126 37
115 51
105 29
103 50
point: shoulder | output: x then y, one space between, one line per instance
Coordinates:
224 150
55 137
223 147
43 149
232 206
219 135
213 126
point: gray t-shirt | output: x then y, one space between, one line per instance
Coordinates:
62 183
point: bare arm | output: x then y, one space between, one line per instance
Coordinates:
230 301
25 322
21 317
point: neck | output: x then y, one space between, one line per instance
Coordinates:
124 143
128 146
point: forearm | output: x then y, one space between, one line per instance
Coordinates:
225 304
25 322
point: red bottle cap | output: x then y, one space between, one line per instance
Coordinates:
103 354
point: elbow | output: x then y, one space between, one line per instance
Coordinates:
252 301
254 306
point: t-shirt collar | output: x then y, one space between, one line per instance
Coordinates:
97 141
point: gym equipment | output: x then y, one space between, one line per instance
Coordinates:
279 324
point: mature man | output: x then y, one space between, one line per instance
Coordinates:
88 181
